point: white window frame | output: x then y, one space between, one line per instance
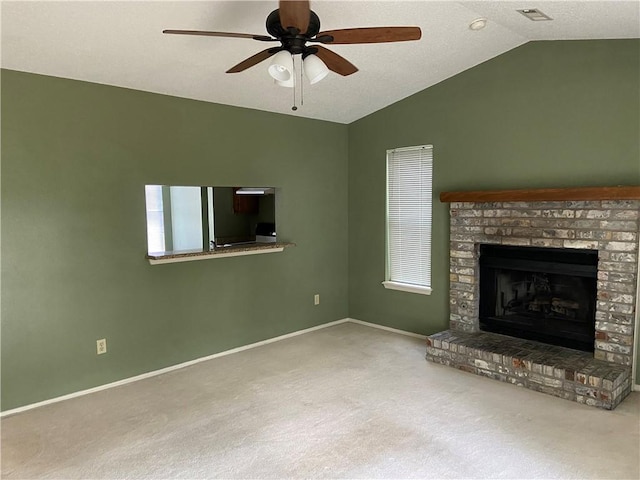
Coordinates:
408 263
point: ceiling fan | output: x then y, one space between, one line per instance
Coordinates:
294 25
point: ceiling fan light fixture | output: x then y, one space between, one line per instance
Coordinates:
287 83
314 69
281 67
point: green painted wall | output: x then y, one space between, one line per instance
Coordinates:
547 114
75 159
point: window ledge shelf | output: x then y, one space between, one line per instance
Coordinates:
220 252
406 287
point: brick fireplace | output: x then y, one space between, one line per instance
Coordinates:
605 221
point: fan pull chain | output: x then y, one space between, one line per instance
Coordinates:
301 82
297 60
294 108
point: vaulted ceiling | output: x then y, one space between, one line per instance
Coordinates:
122 44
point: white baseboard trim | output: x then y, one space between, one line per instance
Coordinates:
388 329
155 373
168 369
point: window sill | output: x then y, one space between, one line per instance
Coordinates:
406 287
222 252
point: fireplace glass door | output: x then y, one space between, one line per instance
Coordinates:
542 294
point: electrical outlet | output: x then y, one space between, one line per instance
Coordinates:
101 346
316 299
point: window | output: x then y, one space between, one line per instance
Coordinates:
186 218
155 218
409 202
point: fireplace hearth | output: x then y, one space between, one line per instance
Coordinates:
543 290
543 294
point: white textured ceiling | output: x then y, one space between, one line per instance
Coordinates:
121 44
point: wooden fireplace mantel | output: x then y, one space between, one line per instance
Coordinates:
544 194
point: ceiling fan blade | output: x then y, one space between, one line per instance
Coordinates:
263 38
253 60
371 35
295 13
335 62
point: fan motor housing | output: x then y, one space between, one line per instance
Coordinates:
275 28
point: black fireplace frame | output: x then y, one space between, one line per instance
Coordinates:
578 334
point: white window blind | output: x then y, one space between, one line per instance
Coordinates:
409 205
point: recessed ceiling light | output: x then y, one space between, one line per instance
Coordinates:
478 24
534 14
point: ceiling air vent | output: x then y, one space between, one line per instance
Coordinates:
534 14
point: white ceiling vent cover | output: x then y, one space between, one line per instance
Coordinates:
534 14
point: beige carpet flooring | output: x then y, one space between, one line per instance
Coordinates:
348 401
